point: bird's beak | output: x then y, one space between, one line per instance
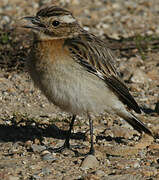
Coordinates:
33 23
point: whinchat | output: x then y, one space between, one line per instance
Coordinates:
76 70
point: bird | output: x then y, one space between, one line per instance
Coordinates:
77 71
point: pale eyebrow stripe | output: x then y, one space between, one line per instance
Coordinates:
67 19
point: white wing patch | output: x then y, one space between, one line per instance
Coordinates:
100 75
67 19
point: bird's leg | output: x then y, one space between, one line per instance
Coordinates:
66 143
91 151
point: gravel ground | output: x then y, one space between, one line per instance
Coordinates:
29 123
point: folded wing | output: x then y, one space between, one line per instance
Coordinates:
92 53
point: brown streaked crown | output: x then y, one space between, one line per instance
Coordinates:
53 11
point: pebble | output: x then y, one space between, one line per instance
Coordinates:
91 177
120 132
149 171
45 171
153 74
100 173
38 148
90 162
49 157
139 77
13 178
154 147
28 143
124 177
136 165
125 163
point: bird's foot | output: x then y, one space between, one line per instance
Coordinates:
63 147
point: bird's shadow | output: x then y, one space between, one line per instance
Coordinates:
147 110
18 132
23 133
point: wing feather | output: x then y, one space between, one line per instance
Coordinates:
92 53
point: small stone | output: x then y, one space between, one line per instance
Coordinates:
38 148
45 152
153 74
46 171
13 178
36 141
149 171
28 143
136 165
100 173
139 76
125 163
154 147
90 162
49 157
66 178
118 131
91 177
124 177
144 142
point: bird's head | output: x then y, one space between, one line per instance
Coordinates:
53 23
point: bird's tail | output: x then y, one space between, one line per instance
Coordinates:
137 124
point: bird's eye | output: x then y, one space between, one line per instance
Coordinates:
55 23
